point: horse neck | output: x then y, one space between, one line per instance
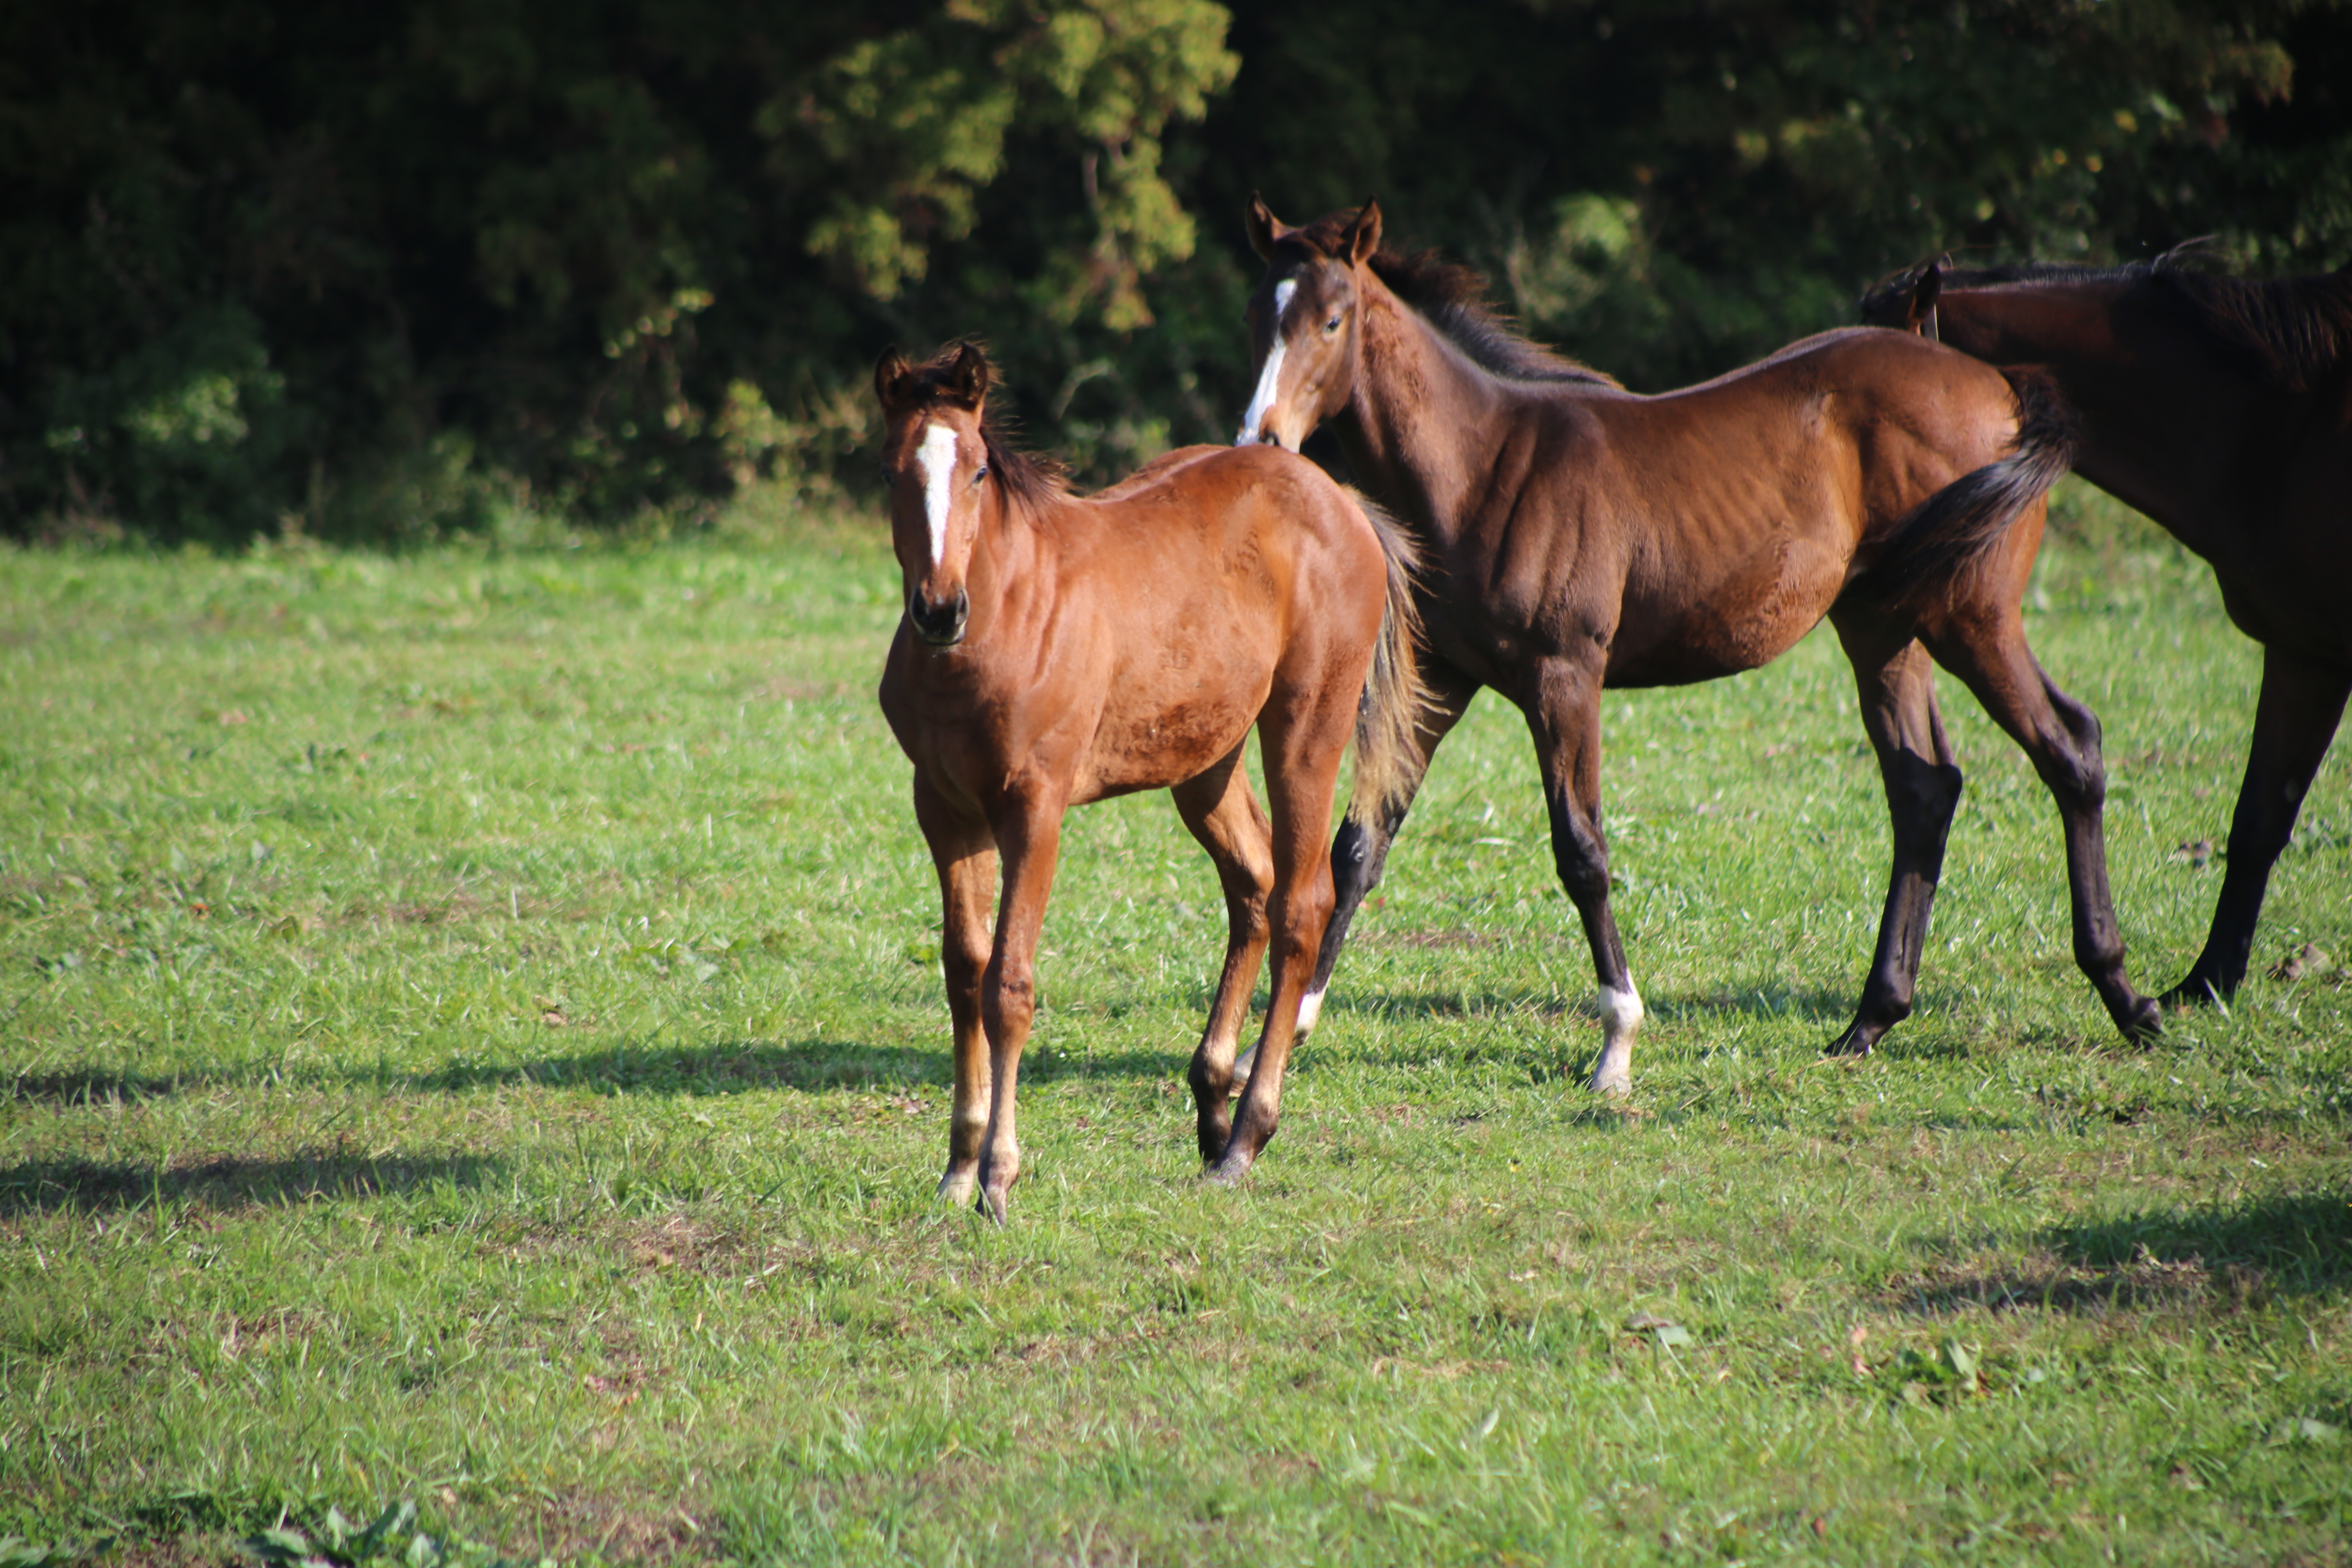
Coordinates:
1004 559
1423 422
2165 417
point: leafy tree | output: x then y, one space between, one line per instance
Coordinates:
378 271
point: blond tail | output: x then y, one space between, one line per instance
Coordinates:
1394 698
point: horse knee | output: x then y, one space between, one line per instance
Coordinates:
1925 791
1358 858
2077 777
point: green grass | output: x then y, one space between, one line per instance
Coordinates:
470 1034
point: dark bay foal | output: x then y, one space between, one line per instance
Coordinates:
1579 537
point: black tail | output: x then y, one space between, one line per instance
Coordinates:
1946 533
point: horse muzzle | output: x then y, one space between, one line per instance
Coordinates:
938 622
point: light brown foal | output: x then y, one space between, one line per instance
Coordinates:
1058 650
1579 537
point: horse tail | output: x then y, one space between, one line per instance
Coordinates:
1393 700
1951 529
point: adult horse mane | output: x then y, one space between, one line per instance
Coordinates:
2294 332
1453 298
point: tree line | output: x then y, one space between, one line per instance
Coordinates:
375 273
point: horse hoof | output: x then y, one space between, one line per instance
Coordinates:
2190 993
2146 1026
1853 1043
1614 1086
956 1187
1226 1172
993 1204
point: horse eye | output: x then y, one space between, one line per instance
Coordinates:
980 474
1332 325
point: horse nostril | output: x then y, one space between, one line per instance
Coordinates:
941 623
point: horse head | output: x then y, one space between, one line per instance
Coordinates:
935 455
1304 320
1906 302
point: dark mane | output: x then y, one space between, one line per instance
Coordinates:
1453 299
2294 331
1030 480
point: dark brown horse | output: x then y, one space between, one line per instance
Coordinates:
2224 410
1579 537
1058 650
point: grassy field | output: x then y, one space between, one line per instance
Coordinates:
470 1037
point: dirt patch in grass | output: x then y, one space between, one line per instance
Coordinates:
1431 939
600 1525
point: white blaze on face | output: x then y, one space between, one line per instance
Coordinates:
938 457
1262 400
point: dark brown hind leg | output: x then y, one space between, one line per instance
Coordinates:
2060 738
1360 853
1895 679
1563 712
1218 809
2301 704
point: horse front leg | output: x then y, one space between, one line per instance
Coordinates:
963 854
1360 851
1895 680
2301 702
1029 838
1564 715
1220 811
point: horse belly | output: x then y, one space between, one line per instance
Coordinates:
1743 621
1176 707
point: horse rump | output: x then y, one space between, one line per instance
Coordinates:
1952 529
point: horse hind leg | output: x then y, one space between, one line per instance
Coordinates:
1220 812
1988 650
1565 719
1895 680
1303 744
2301 702
1360 852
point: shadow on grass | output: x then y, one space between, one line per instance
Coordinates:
2229 1256
229 1182
747 1066
622 1067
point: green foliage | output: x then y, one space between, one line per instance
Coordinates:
395 272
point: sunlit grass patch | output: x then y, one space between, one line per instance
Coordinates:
470 1035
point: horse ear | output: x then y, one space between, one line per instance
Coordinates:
969 375
1363 236
1263 226
1925 290
891 373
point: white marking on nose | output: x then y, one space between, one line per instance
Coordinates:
938 457
1268 379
